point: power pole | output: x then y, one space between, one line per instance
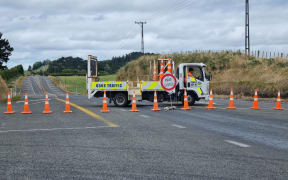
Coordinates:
247 29
141 23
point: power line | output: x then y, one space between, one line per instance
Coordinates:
141 23
247 29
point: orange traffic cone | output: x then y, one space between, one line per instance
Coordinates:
170 65
47 105
161 70
231 102
186 103
134 107
155 104
67 106
211 101
26 105
105 108
154 72
9 105
255 104
278 102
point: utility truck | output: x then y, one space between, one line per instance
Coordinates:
121 92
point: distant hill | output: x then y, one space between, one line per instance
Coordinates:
66 66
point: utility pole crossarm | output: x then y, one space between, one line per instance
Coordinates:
141 23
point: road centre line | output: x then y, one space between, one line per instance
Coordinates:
54 129
90 113
178 126
237 144
145 116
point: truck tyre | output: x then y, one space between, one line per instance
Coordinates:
120 100
191 99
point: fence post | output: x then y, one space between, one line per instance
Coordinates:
270 55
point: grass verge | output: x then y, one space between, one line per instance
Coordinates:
76 84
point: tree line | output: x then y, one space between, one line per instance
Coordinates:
67 66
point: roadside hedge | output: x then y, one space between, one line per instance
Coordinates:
14 72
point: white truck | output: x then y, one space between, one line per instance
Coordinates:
121 92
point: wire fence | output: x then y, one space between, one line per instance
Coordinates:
254 53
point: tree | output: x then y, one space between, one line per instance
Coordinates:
29 68
5 51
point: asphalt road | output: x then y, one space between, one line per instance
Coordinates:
87 144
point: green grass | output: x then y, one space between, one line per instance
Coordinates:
108 77
77 84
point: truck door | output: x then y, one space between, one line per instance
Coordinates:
195 79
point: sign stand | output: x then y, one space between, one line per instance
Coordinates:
169 83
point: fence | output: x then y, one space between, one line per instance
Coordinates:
254 53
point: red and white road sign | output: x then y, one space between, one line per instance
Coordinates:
168 82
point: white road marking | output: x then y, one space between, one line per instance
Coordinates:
36 100
54 129
123 110
32 87
238 144
178 126
145 116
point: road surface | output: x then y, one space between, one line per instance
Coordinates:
87 144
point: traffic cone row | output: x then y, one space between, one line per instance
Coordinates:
134 106
27 108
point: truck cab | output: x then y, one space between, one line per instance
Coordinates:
197 85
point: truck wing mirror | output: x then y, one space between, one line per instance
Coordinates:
209 77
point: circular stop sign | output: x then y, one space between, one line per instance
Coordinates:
168 82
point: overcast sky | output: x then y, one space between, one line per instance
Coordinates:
49 29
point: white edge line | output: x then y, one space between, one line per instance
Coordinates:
54 129
145 116
178 126
238 144
123 110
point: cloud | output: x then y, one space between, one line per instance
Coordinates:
45 29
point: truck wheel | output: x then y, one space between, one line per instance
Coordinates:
191 99
120 100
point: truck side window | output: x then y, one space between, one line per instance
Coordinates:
198 73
